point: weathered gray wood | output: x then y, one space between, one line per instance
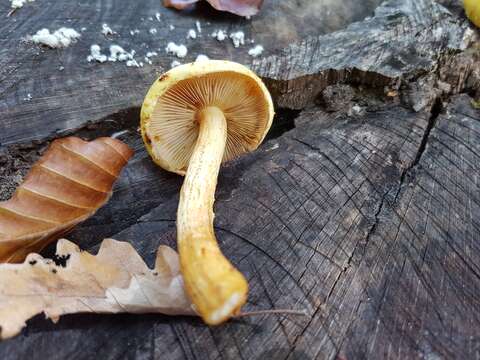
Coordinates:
350 218
291 216
366 217
402 41
419 273
376 51
81 92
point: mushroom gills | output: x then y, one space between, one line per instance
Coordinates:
173 125
217 289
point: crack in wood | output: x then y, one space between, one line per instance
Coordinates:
436 110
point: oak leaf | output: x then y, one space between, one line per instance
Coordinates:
67 185
238 7
116 280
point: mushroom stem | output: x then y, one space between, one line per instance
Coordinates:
215 287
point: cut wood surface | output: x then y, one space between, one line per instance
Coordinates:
361 207
67 91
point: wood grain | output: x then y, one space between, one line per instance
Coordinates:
346 218
83 92
401 42
361 207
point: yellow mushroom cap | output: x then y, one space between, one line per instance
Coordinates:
472 8
169 121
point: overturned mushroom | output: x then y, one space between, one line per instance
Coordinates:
194 117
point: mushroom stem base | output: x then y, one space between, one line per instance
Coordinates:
215 287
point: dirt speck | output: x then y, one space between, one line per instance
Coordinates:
15 162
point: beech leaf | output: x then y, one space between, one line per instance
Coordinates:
67 185
178 4
116 280
238 7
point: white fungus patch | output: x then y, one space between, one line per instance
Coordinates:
134 63
192 34
238 38
152 31
256 51
157 16
171 27
117 53
175 63
201 57
149 55
61 38
96 54
28 97
178 50
198 26
17 4
107 30
134 32
220 35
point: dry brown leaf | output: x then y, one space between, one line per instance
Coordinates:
178 4
239 7
67 185
116 280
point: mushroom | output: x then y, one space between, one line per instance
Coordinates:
472 8
193 118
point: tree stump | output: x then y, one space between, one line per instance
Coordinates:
361 207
